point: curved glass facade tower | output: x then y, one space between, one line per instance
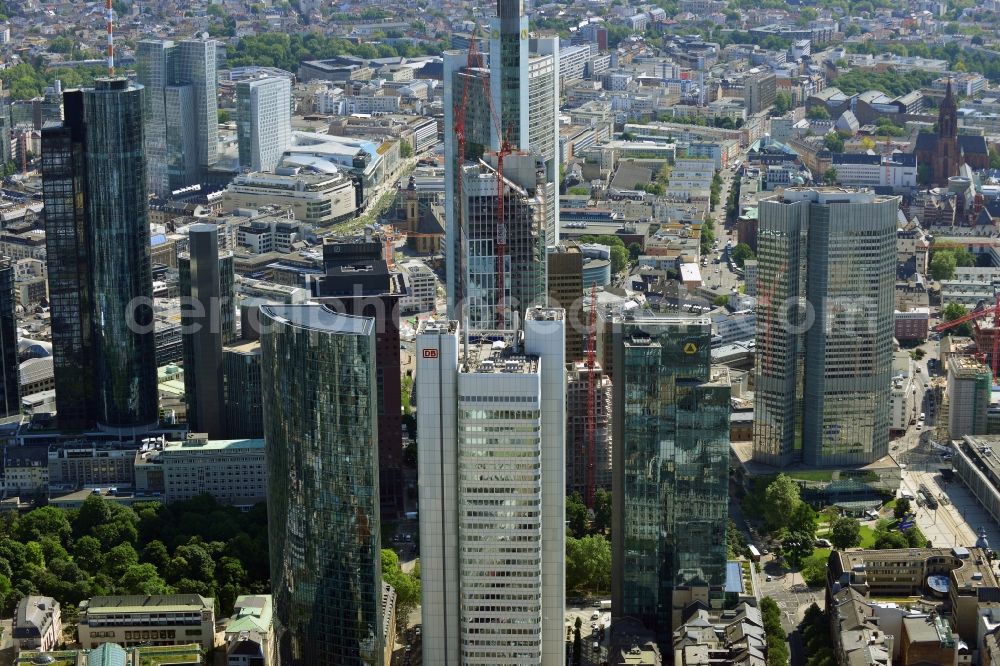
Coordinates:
116 207
318 385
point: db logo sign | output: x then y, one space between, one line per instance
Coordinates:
430 353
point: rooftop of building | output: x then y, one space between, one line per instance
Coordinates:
319 318
928 629
967 367
247 347
31 614
829 195
251 613
203 444
982 451
496 357
137 603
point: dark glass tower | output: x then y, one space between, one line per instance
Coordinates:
358 281
670 468
68 258
207 323
320 425
10 400
97 187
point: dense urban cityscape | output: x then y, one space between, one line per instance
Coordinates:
503 333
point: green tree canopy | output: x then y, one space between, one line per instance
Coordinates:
780 499
901 509
943 265
741 253
576 515
588 564
845 533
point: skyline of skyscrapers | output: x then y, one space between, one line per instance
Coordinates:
491 463
826 267
99 260
181 110
263 121
320 429
670 467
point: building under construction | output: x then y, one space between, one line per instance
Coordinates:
505 102
525 204
583 403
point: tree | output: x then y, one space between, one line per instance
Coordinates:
830 176
782 103
777 648
619 258
707 238
602 510
797 547
888 539
780 498
142 579
953 311
803 520
223 116
721 300
405 149
901 509
47 521
818 113
833 142
741 253
845 533
119 559
588 564
943 265
634 252
576 515
407 586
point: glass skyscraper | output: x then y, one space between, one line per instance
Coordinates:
181 107
10 378
99 265
670 466
318 385
208 321
826 275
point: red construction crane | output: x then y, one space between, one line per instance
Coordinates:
504 148
975 316
591 399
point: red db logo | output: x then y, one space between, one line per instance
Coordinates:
430 353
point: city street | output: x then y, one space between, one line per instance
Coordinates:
789 590
588 636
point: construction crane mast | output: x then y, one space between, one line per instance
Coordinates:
591 399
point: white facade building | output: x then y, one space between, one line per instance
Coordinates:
263 121
492 494
902 395
422 293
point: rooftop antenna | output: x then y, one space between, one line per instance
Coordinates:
111 38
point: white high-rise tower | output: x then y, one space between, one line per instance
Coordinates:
491 464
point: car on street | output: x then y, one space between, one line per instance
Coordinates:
769 579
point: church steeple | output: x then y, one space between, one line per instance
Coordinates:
948 115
